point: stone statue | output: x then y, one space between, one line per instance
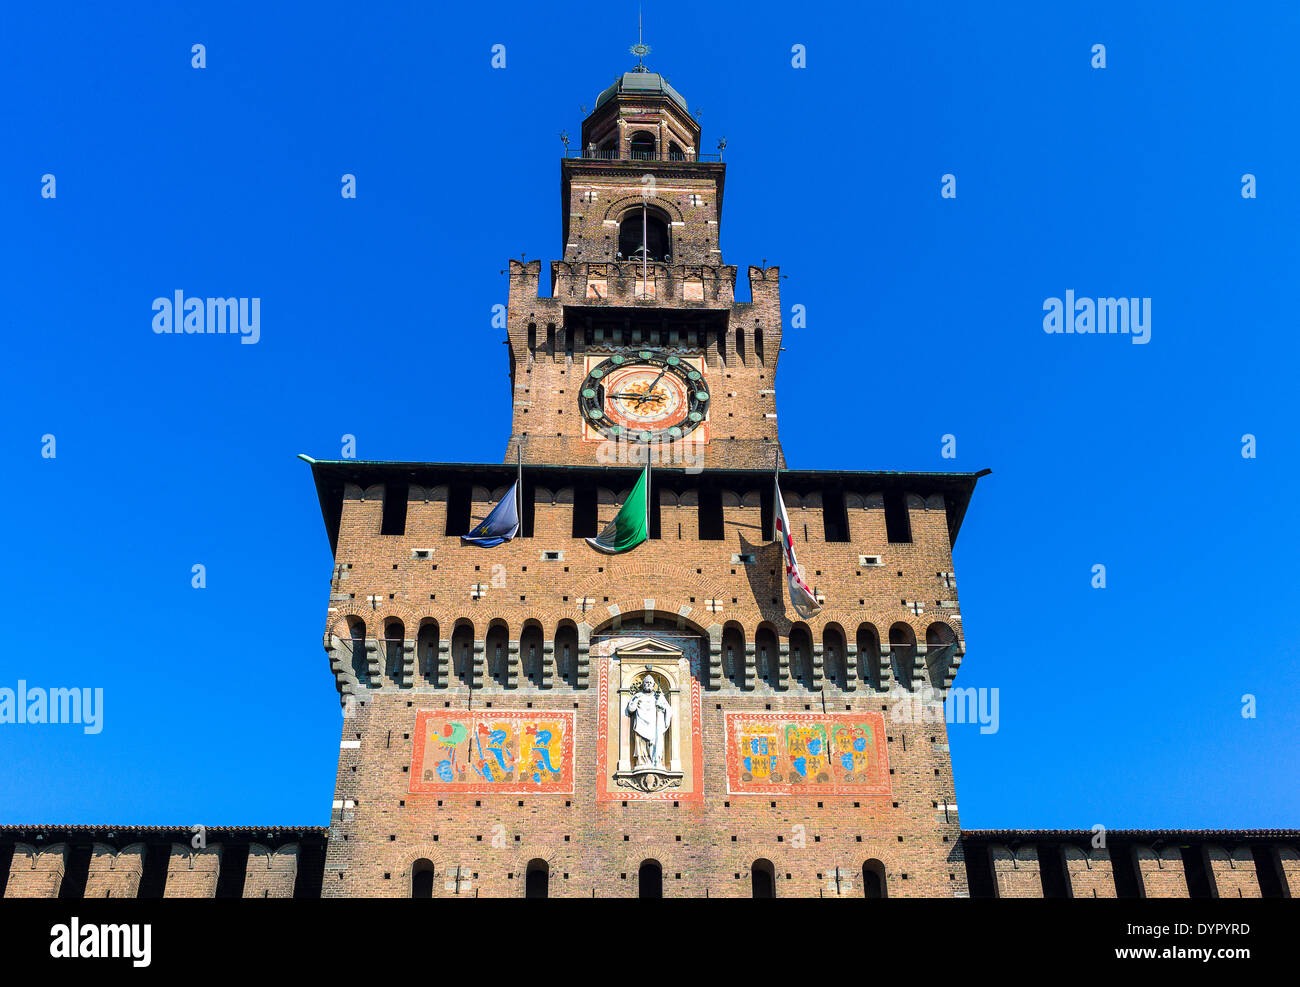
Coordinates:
651 717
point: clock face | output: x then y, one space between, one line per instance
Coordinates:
644 395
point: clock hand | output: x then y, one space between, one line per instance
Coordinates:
649 390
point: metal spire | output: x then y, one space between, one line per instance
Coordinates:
640 49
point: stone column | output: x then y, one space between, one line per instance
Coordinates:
675 763
624 740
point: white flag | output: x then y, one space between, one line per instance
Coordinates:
803 599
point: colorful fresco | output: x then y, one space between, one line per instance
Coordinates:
492 752
832 754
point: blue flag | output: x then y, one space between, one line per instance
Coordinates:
499 526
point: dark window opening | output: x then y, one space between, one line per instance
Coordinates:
873 879
394 634
395 496
422 879
1123 863
710 514
566 654
898 527
1051 870
360 663
530 655
650 880
979 871
426 651
537 880
529 510
643 237
655 515
153 875
1268 872
458 507
1199 880
233 872
835 519
642 146
76 873
311 872
584 512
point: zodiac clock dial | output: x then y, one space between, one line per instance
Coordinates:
644 395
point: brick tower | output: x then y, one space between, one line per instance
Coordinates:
541 718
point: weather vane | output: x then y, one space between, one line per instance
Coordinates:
640 49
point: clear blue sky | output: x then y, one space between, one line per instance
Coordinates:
1119 706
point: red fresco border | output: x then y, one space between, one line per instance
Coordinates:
732 721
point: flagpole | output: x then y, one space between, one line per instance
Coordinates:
776 494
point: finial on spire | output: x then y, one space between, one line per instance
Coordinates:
640 49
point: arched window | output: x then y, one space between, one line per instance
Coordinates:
394 633
649 230
873 880
940 643
834 667
566 653
426 650
462 654
902 652
733 655
608 150
801 661
650 880
762 879
422 878
498 657
868 656
642 146
530 654
765 654
537 880
675 153
360 663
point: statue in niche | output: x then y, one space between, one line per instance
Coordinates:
651 718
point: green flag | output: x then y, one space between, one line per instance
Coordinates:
631 526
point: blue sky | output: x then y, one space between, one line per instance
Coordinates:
1119 706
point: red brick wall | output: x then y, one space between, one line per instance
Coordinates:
375 841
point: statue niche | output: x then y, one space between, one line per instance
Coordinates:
650 676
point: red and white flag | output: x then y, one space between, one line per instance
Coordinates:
803 599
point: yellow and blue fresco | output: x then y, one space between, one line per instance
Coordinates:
831 754
493 752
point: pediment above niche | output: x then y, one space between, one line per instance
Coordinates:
647 647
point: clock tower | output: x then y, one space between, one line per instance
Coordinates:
642 348
534 714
